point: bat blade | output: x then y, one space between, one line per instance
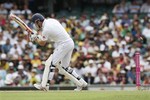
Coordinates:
21 23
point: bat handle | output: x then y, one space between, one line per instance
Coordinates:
32 33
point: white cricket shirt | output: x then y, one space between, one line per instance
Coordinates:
52 30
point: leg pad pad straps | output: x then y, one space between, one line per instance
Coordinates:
52 67
70 71
70 76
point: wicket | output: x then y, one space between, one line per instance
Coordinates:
137 64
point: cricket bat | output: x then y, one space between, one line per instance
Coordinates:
21 23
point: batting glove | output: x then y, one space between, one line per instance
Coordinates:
33 37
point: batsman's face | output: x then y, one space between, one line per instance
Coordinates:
38 25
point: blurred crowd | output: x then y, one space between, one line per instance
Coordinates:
104 48
132 6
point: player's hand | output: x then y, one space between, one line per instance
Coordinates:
33 37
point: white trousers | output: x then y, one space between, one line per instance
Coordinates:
63 52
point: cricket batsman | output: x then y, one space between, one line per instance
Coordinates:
52 30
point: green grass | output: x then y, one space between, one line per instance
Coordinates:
72 95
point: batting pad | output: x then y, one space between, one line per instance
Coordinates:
46 71
70 76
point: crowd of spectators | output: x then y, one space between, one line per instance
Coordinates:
104 49
132 6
